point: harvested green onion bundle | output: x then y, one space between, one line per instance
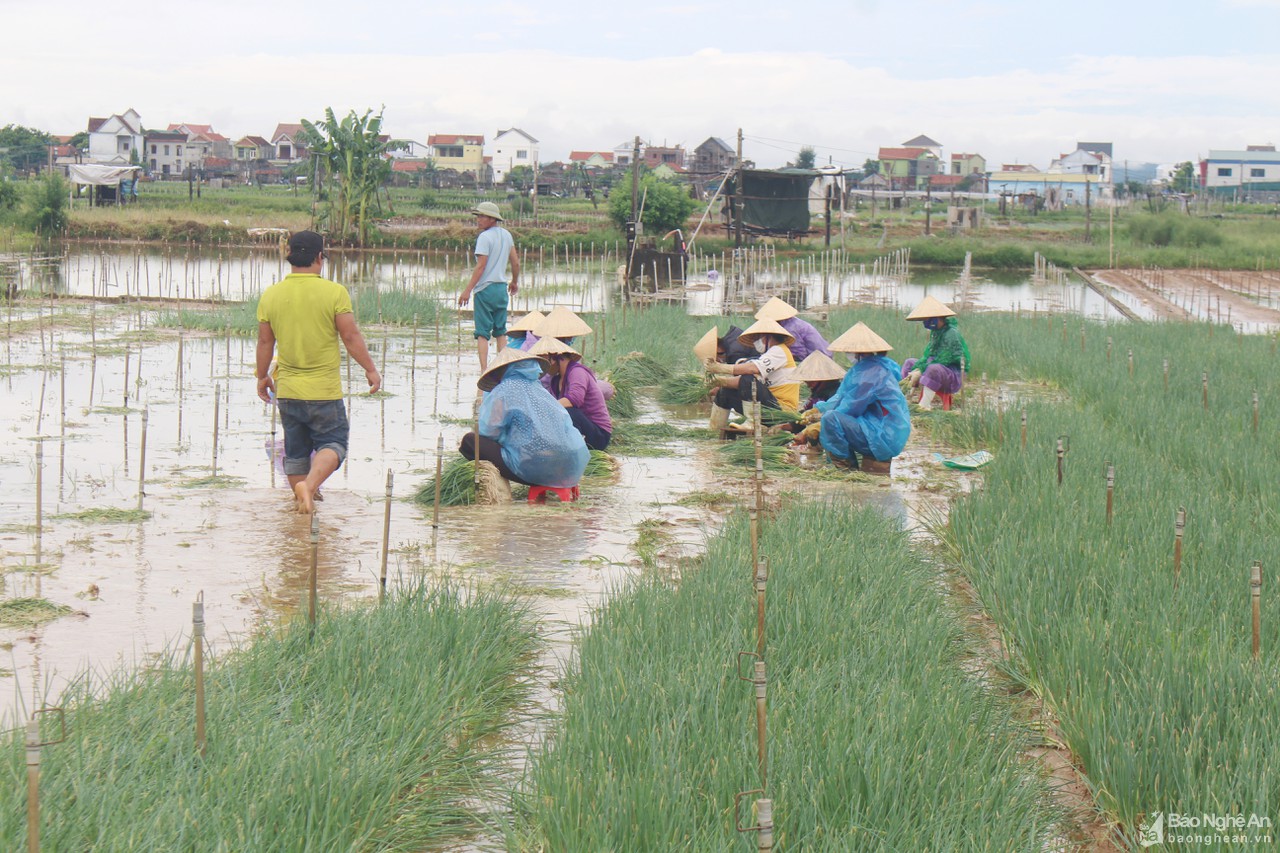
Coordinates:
600 464
773 451
637 369
685 389
457 485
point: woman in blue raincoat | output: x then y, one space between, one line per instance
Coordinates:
524 431
868 414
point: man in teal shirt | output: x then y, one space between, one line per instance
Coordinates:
495 252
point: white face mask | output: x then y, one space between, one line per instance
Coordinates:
760 347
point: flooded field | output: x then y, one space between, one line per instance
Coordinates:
715 283
217 520
126 547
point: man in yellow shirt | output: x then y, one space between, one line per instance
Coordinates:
304 315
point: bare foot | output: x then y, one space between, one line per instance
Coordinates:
303 493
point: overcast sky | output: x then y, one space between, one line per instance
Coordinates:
1013 81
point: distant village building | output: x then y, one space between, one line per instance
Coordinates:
1249 175
712 157
1089 158
932 146
968 164
908 168
458 152
622 153
289 144
250 148
165 152
662 155
513 148
591 159
116 140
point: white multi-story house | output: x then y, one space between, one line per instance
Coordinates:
512 148
1089 158
1232 172
164 152
623 151
116 141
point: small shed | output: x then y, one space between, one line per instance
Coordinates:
106 183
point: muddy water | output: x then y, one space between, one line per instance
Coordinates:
583 282
77 406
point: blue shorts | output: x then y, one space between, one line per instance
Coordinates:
311 426
491 311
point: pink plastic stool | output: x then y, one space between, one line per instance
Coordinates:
538 494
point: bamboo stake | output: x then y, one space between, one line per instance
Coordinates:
435 510
1108 349
1255 411
1111 488
1130 364
762 579
33 785
197 637
386 538
217 403
762 744
1204 383
1024 429
315 570
39 501
1061 457
1255 595
1179 524
1166 374
764 814
142 459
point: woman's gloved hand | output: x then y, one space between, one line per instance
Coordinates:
914 376
719 367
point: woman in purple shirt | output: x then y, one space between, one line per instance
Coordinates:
807 338
577 389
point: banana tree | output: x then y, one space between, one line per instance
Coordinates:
352 155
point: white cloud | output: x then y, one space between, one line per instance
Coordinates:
1159 109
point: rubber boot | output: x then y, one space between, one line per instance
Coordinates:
749 413
719 417
926 398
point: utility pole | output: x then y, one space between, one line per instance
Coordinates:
1088 210
737 219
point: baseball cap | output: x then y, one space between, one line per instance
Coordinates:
304 246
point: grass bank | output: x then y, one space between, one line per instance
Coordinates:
379 733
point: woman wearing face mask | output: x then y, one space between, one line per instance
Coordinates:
767 380
941 369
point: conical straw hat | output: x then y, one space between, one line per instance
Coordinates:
705 348
561 323
553 346
765 327
818 367
775 309
528 322
860 339
499 363
930 307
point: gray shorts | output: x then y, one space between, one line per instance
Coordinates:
311 426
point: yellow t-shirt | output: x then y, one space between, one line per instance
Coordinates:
302 310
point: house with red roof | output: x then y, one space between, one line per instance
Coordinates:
591 159
908 168
202 143
458 152
116 140
290 144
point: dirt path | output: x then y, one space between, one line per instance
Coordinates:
1246 299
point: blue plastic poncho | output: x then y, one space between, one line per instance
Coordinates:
868 414
539 441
